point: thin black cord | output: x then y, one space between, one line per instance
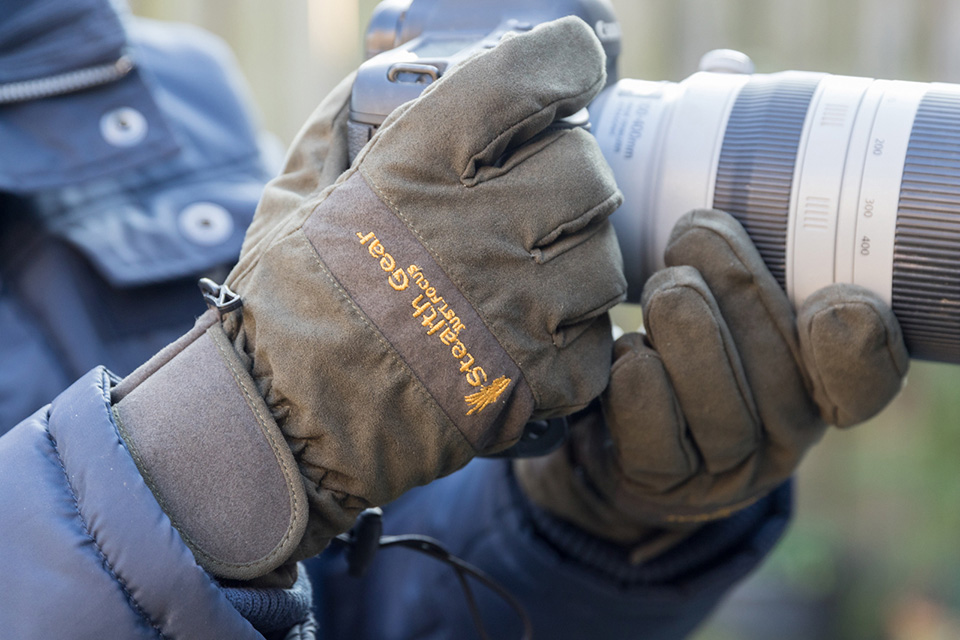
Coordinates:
433 548
472 604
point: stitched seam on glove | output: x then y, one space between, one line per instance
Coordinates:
465 175
730 351
834 409
218 339
571 227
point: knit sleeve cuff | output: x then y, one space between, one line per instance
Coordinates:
753 531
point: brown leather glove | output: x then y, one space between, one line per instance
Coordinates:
398 323
718 403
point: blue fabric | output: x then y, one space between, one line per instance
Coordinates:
57 141
95 267
481 516
271 610
120 206
86 550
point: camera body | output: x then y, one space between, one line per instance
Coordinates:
412 43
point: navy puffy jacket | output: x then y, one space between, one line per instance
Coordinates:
86 552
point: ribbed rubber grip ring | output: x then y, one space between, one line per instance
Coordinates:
757 160
926 256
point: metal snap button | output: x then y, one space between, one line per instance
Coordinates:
206 223
123 127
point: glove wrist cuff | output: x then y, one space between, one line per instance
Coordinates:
208 447
555 484
747 532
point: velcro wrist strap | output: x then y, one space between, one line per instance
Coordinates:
206 444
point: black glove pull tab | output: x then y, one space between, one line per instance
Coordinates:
539 438
363 541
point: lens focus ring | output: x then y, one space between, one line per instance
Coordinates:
757 160
926 259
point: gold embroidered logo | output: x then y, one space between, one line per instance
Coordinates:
398 279
439 319
487 394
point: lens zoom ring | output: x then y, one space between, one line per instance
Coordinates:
926 258
759 152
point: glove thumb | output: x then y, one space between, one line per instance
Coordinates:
854 352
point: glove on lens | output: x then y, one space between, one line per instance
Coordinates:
451 285
716 407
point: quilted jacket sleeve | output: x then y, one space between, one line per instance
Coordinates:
85 550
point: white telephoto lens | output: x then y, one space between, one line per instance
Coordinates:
835 178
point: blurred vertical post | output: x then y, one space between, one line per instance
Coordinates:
305 48
292 52
335 35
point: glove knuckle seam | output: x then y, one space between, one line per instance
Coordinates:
594 224
589 317
518 124
469 182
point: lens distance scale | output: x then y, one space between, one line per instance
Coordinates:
813 165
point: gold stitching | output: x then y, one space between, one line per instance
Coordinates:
459 285
434 319
487 394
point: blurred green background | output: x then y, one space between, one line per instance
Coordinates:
873 551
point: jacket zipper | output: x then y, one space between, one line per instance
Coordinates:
66 82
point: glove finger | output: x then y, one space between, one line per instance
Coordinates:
574 193
495 101
644 418
760 320
854 352
595 266
561 222
686 327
